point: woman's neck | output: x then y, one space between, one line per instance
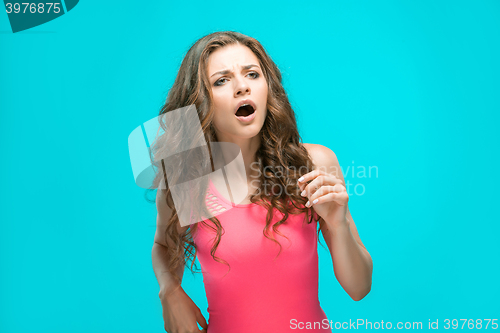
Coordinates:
248 149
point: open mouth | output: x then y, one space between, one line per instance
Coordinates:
245 110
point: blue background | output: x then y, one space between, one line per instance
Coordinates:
410 88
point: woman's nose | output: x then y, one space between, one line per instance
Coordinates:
241 86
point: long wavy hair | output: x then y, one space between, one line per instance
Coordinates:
281 151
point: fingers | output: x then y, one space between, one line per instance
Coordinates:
339 197
335 193
320 181
323 179
310 175
314 174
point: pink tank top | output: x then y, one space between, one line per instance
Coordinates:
259 294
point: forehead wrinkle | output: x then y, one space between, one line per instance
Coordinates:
227 71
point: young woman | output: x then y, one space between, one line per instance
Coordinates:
253 282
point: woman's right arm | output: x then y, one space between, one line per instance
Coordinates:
180 313
159 253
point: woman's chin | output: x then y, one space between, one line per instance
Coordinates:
248 132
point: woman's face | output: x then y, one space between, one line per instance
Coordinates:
240 81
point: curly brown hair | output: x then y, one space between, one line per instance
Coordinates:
281 145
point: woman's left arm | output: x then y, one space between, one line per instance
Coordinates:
352 263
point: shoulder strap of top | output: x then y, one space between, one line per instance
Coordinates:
214 203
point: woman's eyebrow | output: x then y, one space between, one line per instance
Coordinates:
227 71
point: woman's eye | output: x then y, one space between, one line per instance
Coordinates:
219 81
256 74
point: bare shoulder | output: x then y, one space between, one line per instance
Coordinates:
318 151
324 158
